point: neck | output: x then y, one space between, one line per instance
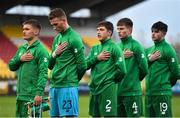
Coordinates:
159 40
30 42
66 27
104 39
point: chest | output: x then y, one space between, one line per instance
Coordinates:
127 46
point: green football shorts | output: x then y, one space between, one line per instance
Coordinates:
158 106
130 106
21 108
105 103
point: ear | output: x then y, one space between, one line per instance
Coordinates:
110 33
164 33
36 32
130 30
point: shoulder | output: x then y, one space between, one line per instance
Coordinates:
115 45
119 44
22 47
74 34
95 46
57 36
137 46
147 50
74 38
168 48
136 43
41 49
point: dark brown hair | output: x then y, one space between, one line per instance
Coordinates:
108 25
35 23
125 21
56 12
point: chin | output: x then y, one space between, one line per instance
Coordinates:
122 37
100 39
27 39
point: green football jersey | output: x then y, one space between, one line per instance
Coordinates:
105 73
68 67
163 70
31 75
137 68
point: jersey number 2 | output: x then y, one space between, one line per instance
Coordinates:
108 108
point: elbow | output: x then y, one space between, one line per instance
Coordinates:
50 67
123 74
12 69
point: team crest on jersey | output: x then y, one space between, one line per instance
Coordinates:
149 55
45 59
120 59
172 59
20 53
75 50
56 45
95 53
142 56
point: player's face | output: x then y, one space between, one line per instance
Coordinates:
157 35
57 24
123 31
29 32
103 33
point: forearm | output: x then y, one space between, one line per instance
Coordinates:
41 82
91 62
14 63
51 62
81 64
120 71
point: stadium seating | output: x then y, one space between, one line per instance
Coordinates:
47 40
90 41
5 73
8 49
11 39
12 31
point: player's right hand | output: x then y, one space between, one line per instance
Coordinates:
104 55
156 55
26 56
127 53
59 49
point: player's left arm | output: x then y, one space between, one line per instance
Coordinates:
119 63
141 59
15 62
43 61
78 50
173 65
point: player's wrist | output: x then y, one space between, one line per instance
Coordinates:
22 59
54 54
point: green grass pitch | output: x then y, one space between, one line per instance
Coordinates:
7 106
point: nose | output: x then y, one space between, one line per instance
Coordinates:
118 31
23 32
54 27
153 33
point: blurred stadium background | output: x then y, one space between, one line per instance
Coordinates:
83 15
